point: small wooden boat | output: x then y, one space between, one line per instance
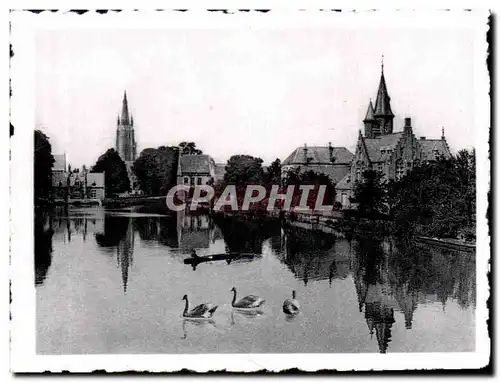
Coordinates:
195 259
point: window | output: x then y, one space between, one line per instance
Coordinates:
380 167
358 174
192 181
198 181
186 180
399 170
93 193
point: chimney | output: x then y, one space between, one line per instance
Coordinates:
305 152
422 138
330 149
407 127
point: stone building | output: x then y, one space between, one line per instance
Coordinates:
125 140
75 185
332 161
195 169
380 148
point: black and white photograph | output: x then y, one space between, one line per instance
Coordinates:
249 190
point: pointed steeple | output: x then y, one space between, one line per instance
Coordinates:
125 116
369 113
383 101
131 120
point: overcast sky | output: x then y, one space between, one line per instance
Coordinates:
259 92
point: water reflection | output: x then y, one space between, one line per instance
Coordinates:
386 282
203 324
43 245
314 257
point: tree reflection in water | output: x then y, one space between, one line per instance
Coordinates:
43 233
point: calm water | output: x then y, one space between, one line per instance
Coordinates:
113 281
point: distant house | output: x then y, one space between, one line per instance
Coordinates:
195 169
335 162
78 185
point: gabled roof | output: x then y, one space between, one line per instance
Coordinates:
344 183
377 147
383 101
195 164
432 148
94 179
319 155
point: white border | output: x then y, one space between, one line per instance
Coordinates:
23 356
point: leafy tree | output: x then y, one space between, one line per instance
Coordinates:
43 162
273 173
189 148
436 199
242 170
156 170
115 172
298 177
370 195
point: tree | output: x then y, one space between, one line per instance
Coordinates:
115 172
273 173
156 170
189 148
370 195
298 177
242 170
436 199
43 162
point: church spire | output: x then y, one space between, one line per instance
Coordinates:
382 111
369 113
125 117
383 101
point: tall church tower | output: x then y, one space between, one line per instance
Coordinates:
125 138
379 119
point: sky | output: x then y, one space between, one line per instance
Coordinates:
261 92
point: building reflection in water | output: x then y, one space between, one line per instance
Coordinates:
395 276
125 253
118 234
194 232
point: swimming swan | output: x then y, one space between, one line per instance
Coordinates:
201 311
248 302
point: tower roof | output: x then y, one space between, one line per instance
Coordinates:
383 101
369 113
125 116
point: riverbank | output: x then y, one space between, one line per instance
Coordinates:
452 244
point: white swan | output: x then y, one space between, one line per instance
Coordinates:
201 311
248 302
291 306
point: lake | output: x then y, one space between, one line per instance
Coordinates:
112 281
